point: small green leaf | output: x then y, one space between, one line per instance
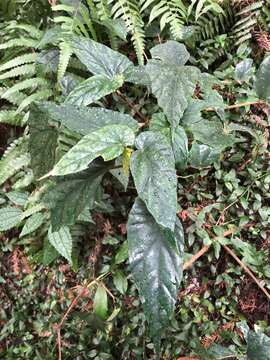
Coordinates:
9 217
153 170
262 83
18 197
32 224
202 155
212 133
120 282
122 254
101 302
108 142
155 266
62 241
94 89
243 70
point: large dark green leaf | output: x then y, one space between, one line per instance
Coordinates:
155 266
262 84
177 137
173 87
85 120
108 142
153 170
171 52
43 141
258 346
69 195
100 59
94 89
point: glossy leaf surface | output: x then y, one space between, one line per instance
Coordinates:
101 302
85 120
69 195
155 266
100 59
93 89
108 142
173 87
43 141
201 155
171 52
262 83
258 346
153 170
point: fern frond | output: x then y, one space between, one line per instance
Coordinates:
25 84
23 70
14 159
64 57
37 96
10 117
19 42
129 11
15 98
19 60
32 30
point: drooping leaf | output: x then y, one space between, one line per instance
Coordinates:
94 89
101 302
108 142
212 133
258 346
9 217
201 155
177 137
173 87
32 224
43 141
69 195
61 240
262 83
155 266
120 282
171 52
85 120
153 170
100 59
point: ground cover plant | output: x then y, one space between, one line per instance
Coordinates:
134 179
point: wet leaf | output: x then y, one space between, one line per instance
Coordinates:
173 87
100 59
108 142
258 346
262 83
171 52
201 155
93 89
153 170
155 266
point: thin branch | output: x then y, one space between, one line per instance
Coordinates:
236 106
200 253
133 107
246 269
205 248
